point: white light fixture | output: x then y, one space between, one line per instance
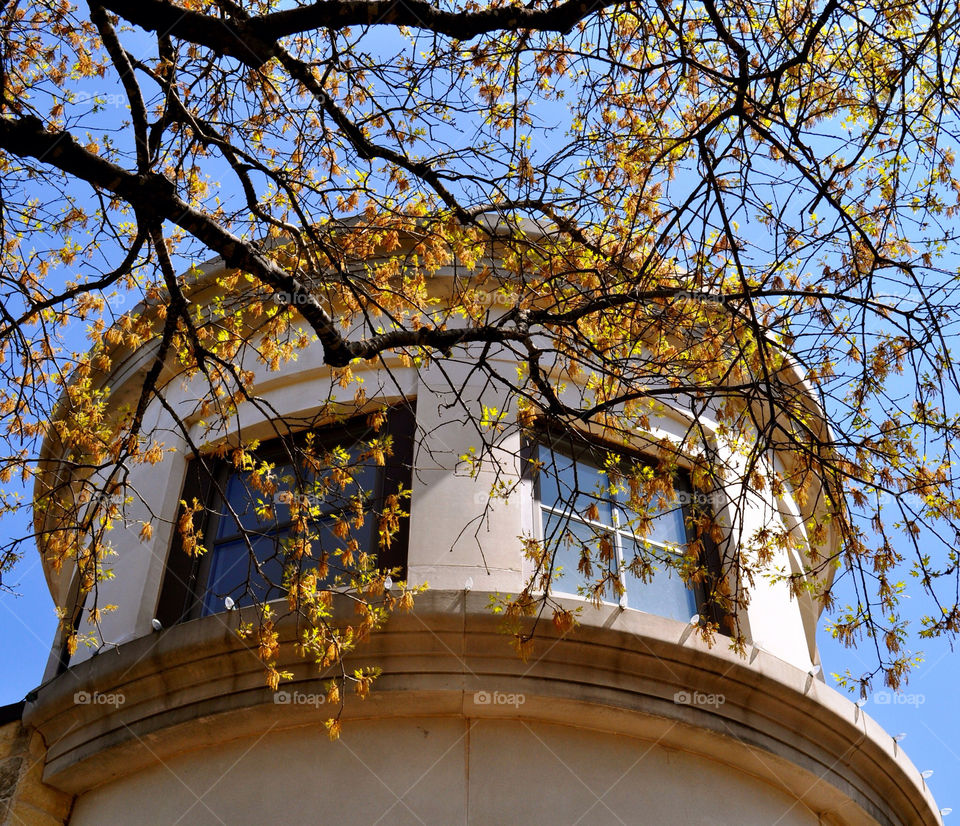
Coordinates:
229 604
156 624
468 585
946 811
388 583
898 737
926 774
861 703
695 619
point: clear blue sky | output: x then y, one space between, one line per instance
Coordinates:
925 710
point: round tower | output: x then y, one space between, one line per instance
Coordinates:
630 717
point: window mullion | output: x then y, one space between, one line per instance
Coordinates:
618 552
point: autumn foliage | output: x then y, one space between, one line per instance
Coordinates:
742 210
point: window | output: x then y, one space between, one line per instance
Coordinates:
279 505
585 517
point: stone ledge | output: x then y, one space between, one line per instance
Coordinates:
195 685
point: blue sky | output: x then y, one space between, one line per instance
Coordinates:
925 710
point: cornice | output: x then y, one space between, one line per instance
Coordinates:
196 685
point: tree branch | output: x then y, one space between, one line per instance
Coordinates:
253 41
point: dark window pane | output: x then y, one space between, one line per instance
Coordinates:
343 483
231 564
232 573
337 487
246 501
334 491
326 540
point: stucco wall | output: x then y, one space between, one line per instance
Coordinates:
624 675
442 771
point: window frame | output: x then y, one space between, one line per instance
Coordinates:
186 579
589 449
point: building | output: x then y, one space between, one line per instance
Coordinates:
632 718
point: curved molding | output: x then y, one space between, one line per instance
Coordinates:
196 686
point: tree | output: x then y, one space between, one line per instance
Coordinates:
740 209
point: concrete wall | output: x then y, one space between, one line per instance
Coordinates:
442 771
760 731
